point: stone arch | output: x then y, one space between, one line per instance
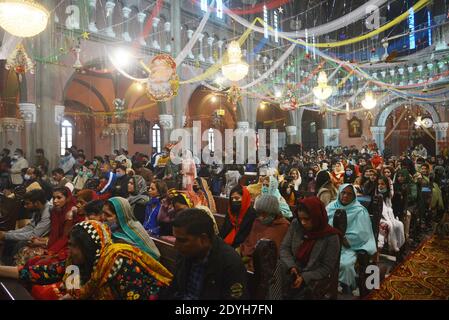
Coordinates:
382 116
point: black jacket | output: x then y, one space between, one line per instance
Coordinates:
120 188
244 230
225 276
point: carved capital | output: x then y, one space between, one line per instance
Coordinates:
11 124
141 17
166 121
28 112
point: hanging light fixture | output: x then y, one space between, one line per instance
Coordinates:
234 68
369 102
322 91
23 18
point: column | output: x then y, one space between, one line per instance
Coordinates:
220 48
200 40
109 16
113 133
291 133
167 36
210 42
123 129
92 16
378 134
141 19
331 137
166 122
441 136
189 36
155 42
28 112
12 133
126 11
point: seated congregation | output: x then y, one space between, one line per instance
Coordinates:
291 233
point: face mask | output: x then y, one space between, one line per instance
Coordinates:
382 190
235 206
95 162
310 175
349 172
27 177
196 188
119 175
90 174
81 173
112 225
267 220
264 189
15 157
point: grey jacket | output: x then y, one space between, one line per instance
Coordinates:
38 227
323 258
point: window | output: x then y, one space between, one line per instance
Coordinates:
156 137
210 138
66 135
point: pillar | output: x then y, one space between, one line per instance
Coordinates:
92 16
291 133
28 111
109 16
189 36
123 129
200 40
378 134
126 11
220 48
331 137
113 133
155 42
166 122
176 46
12 133
141 19
441 136
210 42
168 37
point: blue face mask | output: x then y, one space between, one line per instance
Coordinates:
119 175
348 172
112 225
264 189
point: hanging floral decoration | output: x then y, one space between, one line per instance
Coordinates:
290 99
234 95
20 62
162 82
369 116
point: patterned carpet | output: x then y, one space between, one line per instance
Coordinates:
423 276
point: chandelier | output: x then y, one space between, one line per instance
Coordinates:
23 18
322 91
234 69
369 102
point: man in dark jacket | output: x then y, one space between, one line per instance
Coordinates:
120 188
207 268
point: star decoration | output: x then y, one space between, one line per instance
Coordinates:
281 10
85 35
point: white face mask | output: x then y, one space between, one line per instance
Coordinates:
27 177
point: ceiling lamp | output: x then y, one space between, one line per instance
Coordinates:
23 18
369 102
322 91
234 68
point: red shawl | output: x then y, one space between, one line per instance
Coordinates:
59 226
236 221
321 228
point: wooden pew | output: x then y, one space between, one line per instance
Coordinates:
11 289
9 210
222 205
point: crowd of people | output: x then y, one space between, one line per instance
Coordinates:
102 215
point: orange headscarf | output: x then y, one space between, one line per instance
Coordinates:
236 220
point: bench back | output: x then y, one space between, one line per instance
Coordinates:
9 209
11 289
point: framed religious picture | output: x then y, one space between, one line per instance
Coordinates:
355 127
141 131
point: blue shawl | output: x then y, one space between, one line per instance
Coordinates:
359 231
273 190
150 223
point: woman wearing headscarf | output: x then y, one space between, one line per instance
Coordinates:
310 249
108 271
83 197
404 200
391 230
117 214
337 174
270 224
188 168
138 197
62 218
350 174
291 187
359 233
270 186
240 217
202 191
326 189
